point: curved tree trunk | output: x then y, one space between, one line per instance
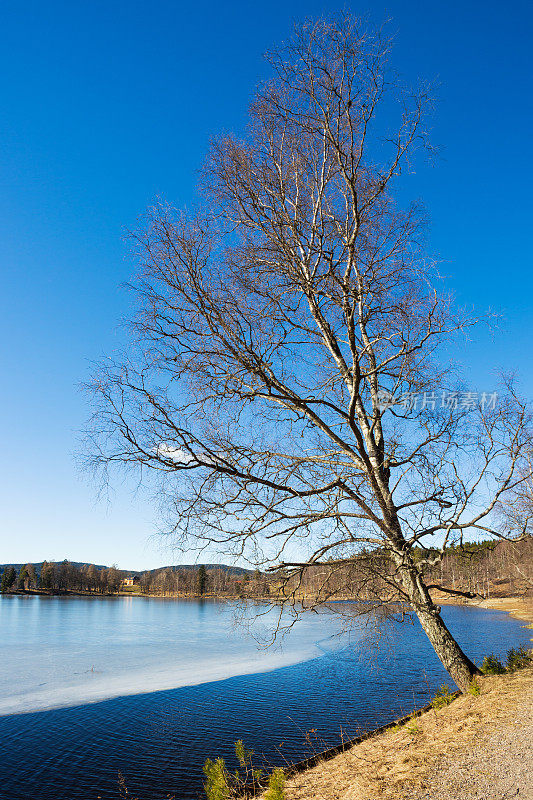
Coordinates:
456 663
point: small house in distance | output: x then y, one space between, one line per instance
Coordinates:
130 581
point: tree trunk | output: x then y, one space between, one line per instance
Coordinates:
456 663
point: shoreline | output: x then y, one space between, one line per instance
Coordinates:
99 595
107 595
476 746
458 747
517 606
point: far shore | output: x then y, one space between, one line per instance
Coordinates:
80 593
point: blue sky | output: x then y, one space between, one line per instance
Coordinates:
106 105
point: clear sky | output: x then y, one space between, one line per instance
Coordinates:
106 105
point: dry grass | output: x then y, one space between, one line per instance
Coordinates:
398 764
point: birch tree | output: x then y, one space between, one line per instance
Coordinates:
289 376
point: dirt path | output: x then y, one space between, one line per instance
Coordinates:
497 765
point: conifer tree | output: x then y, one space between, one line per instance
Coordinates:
8 579
202 579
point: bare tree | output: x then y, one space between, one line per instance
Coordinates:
516 507
285 379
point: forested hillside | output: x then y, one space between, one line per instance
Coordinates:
485 569
68 576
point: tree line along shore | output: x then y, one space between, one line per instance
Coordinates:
485 569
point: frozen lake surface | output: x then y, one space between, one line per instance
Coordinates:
67 651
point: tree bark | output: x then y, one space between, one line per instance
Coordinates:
456 663
460 668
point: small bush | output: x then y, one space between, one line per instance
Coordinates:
492 666
244 756
413 728
518 658
474 688
276 785
223 785
443 697
217 786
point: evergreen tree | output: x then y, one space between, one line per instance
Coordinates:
23 578
8 579
202 579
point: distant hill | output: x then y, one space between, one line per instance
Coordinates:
38 564
175 567
484 568
180 567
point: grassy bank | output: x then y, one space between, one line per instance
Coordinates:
475 736
480 745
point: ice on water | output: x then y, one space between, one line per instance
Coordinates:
60 651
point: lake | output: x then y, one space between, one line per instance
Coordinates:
151 687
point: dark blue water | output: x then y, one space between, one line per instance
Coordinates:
160 740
